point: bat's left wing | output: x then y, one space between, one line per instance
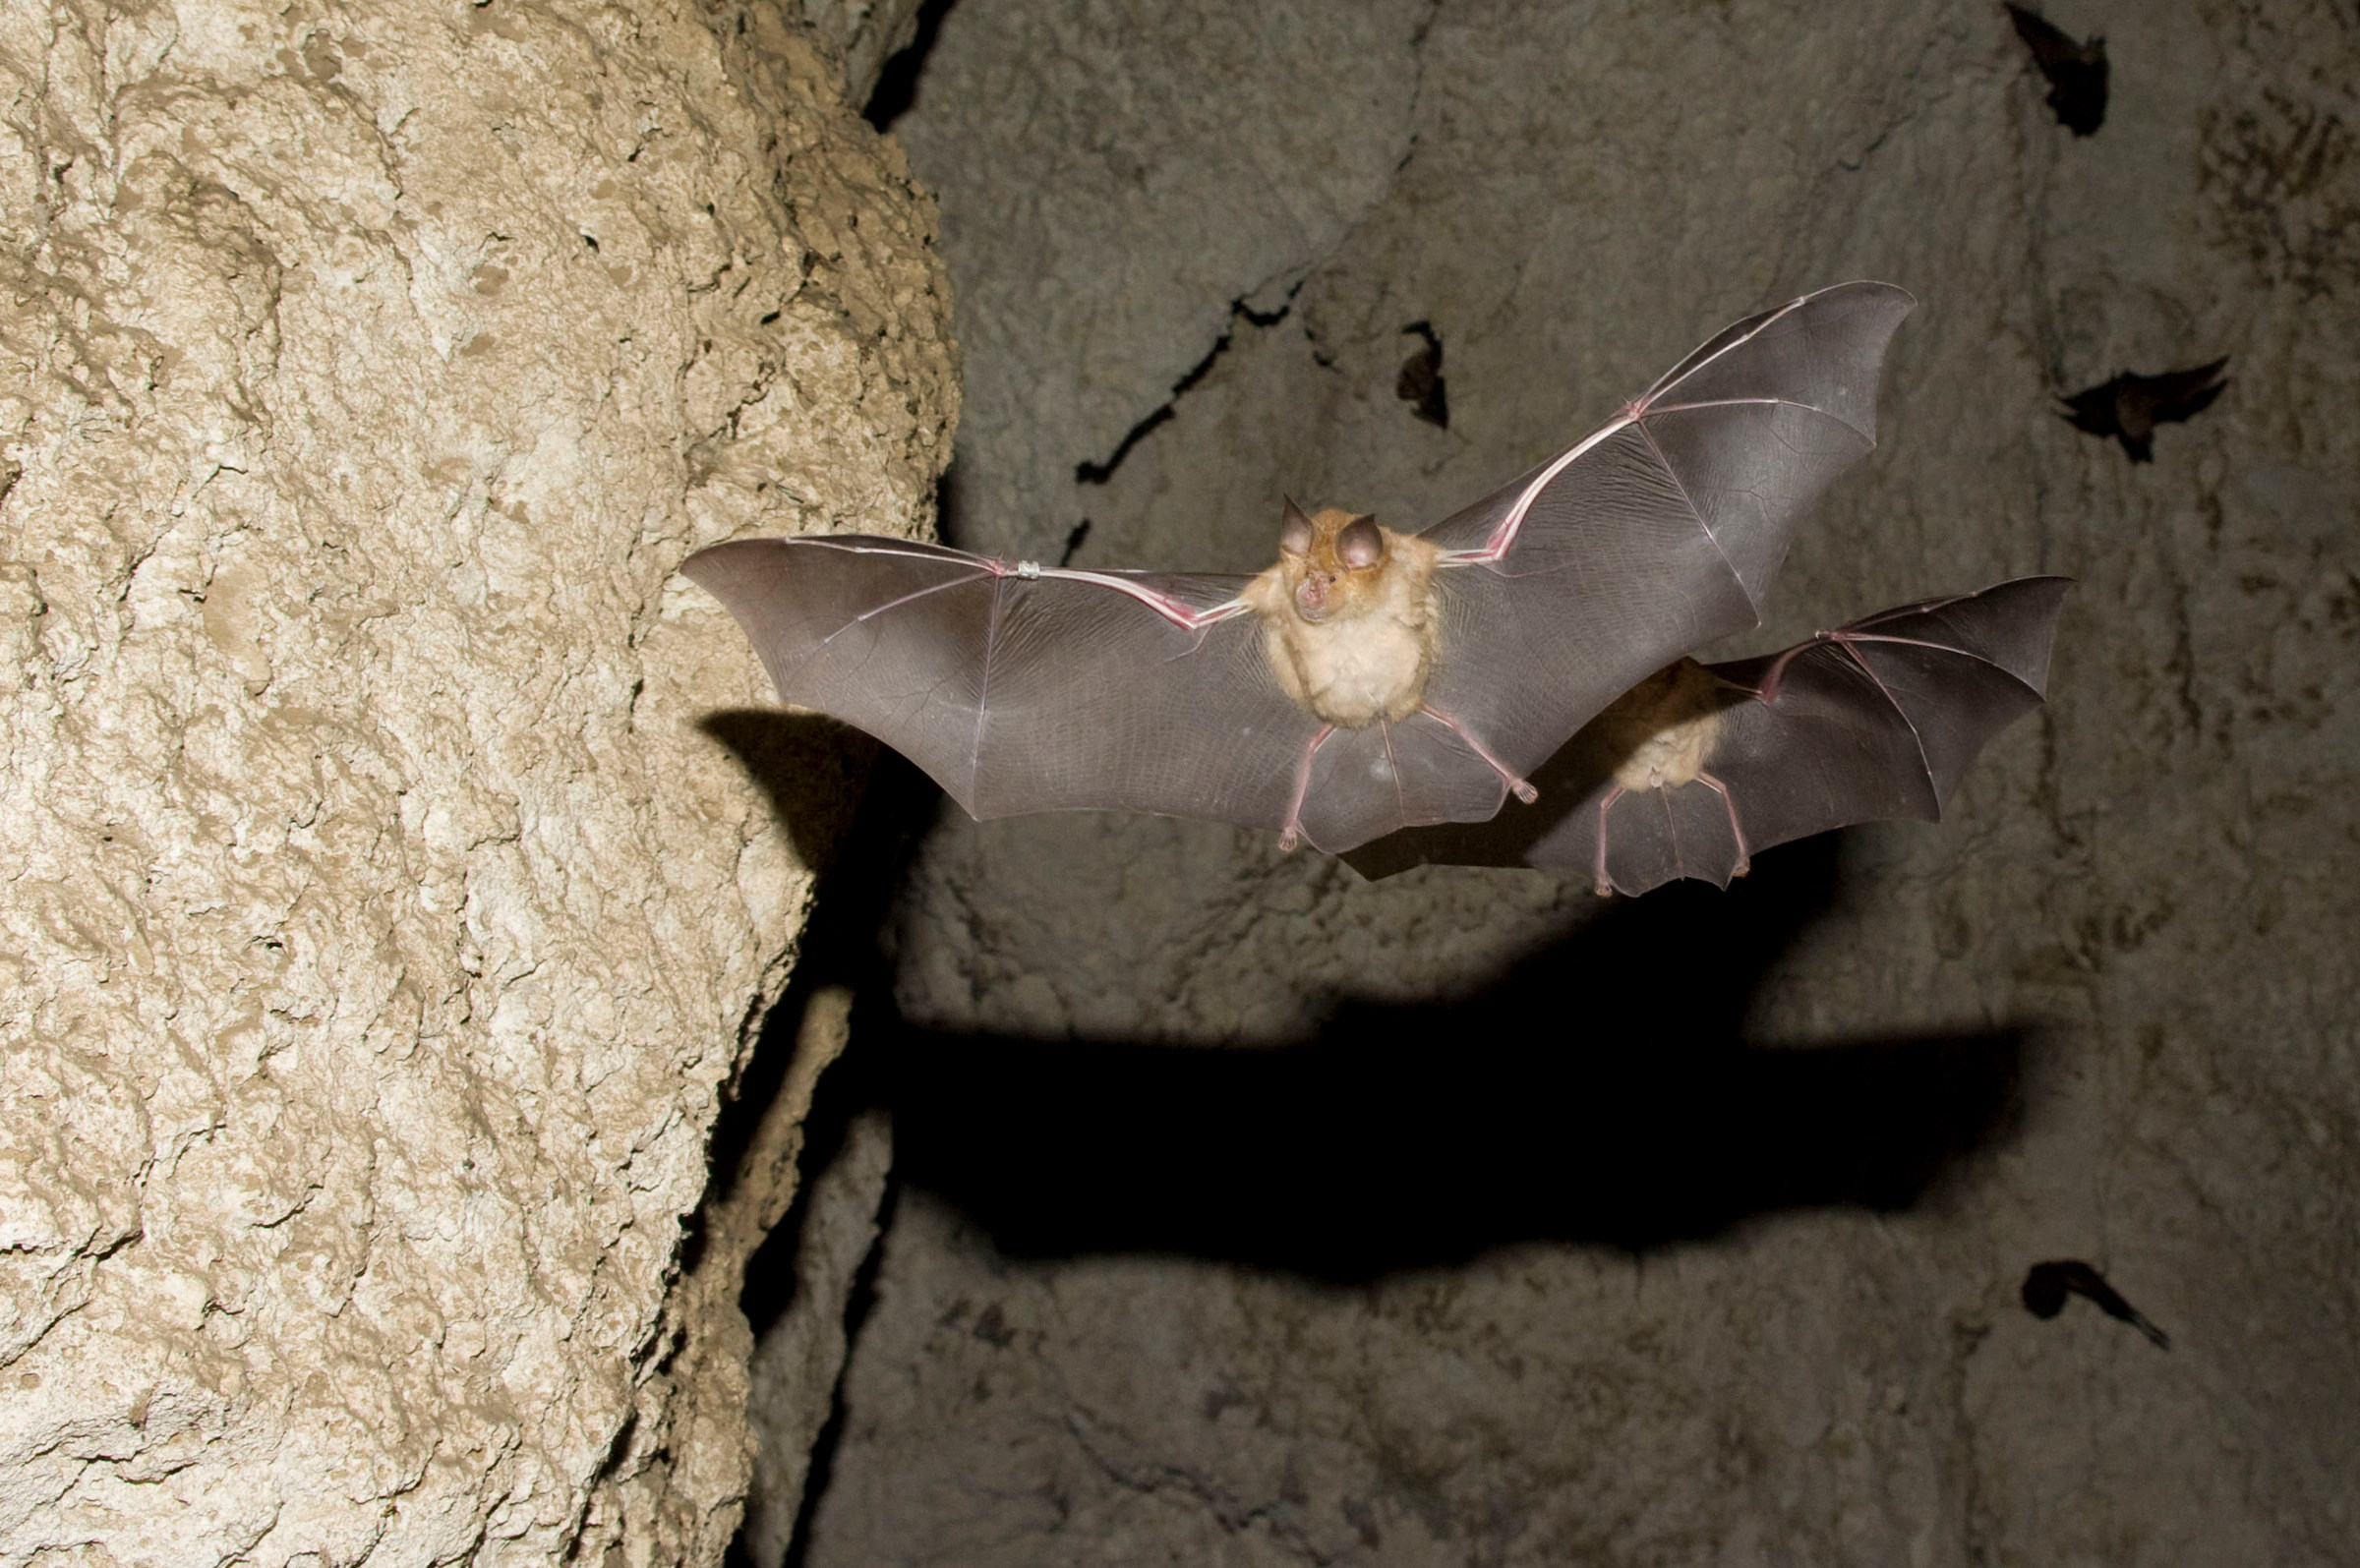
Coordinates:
1024 689
1876 720
2184 394
1658 533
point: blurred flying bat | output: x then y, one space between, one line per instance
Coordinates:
2130 407
1699 766
2076 72
1369 680
2046 1286
1420 384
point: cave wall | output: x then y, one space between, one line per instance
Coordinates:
1248 1215
384 919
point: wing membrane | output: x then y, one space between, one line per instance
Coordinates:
1659 532
1022 694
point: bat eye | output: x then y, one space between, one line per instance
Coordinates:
1359 543
1294 535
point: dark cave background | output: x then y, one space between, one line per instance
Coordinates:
1185 1201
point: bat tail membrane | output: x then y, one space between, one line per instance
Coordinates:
1876 720
1372 782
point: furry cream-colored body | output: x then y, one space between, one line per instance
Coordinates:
1664 727
1364 655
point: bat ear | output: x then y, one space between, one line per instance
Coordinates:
1295 534
1359 543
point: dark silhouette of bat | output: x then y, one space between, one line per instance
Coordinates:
2046 1286
1699 766
1371 680
1420 384
2130 407
2076 72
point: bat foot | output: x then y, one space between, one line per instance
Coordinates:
1741 868
1527 792
1603 889
1288 840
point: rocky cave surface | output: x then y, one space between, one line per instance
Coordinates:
397 859
1243 1212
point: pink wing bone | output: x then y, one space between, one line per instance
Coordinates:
1654 534
1503 533
1172 610
1179 614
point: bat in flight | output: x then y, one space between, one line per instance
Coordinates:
2129 406
2046 1287
1369 680
1699 766
2076 70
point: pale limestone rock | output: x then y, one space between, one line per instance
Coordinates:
865 33
380 928
2155 876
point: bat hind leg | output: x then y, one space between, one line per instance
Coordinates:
1745 853
1604 885
1520 787
1292 834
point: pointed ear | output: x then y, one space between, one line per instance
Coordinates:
1295 532
1359 543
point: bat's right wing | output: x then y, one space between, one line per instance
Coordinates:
2183 395
1021 689
2052 45
1874 721
1658 533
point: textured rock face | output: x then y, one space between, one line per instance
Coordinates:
864 33
1365 1299
380 926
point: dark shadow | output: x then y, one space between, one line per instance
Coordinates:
950 507
897 85
839 947
1600 1093
810 767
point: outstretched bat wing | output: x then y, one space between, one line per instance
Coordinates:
2183 395
1659 532
1876 720
1048 692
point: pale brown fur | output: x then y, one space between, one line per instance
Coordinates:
1353 645
1664 727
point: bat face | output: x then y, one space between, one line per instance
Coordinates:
1348 618
1332 564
